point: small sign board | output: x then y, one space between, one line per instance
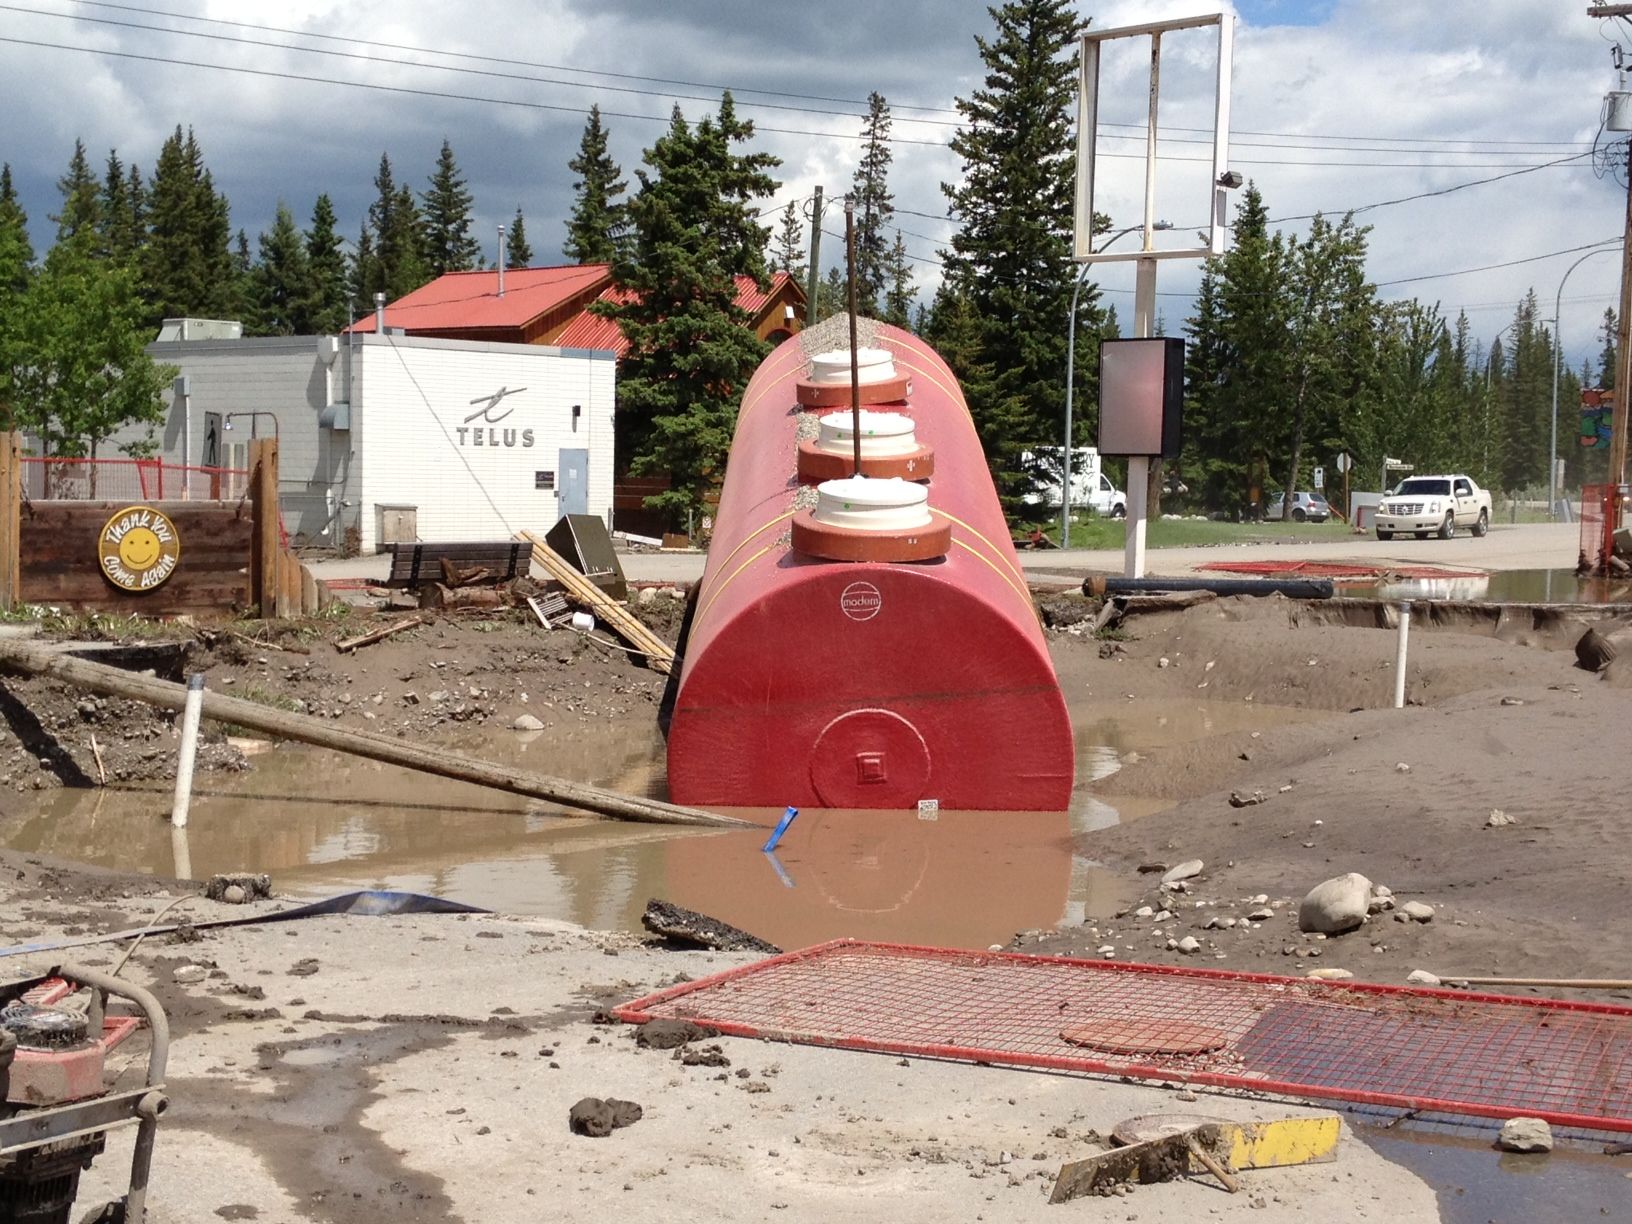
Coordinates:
1343 463
138 548
1320 478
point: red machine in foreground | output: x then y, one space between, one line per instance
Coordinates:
864 643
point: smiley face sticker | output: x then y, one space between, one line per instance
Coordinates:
138 549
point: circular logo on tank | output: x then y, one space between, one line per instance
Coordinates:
860 601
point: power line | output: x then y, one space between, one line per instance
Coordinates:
1511 263
735 89
1281 138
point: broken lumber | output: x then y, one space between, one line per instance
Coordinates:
1155 1160
32 658
622 622
1173 601
368 639
1157 1147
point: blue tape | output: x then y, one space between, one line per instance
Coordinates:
781 828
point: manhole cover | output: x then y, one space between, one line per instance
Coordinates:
1145 1036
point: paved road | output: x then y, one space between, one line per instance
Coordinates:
1533 546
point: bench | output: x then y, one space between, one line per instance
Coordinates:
413 564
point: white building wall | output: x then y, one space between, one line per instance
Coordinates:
261 386
439 436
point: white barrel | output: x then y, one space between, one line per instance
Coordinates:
861 503
883 434
874 365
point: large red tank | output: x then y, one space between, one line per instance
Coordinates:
864 684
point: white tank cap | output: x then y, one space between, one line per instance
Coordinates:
862 503
873 365
883 434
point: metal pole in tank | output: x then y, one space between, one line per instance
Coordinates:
855 359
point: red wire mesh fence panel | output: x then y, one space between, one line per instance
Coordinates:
1440 1051
65 479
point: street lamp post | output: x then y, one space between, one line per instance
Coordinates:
1071 379
226 421
1558 347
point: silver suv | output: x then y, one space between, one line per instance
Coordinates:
1306 507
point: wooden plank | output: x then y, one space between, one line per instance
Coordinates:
659 653
11 504
263 585
288 585
32 658
58 564
310 602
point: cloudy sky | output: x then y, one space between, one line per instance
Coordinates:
1337 104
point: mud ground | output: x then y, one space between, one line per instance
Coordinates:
424 1067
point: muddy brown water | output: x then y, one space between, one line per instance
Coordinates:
323 823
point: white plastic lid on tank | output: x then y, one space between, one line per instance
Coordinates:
862 503
873 365
883 434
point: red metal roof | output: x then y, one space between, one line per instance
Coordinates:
590 331
460 301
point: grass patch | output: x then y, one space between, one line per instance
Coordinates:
1099 532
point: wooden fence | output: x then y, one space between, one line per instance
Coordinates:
229 559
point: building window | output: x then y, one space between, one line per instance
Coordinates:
543 480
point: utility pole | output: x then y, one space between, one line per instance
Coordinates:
815 260
1623 340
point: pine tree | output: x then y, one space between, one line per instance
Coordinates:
398 265
875 205
19 251
120 213
834 297
598 230
1331 334
80 207
187 262
898 285
16 274
517 252
1525 405
449 246
962 338
789 255
1010 262
325 309
361 273
1609 330
691 350
280 284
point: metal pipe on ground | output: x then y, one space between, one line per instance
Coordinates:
1292 588
34 659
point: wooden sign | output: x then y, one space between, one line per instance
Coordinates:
138 548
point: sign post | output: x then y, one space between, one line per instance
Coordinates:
1343 463
1220 183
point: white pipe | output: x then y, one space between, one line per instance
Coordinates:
181 852
189 750
1399 655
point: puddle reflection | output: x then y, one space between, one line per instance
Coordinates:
322 823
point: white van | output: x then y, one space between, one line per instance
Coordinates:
1091 489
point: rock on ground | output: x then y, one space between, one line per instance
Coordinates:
1525 1135
1336 905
